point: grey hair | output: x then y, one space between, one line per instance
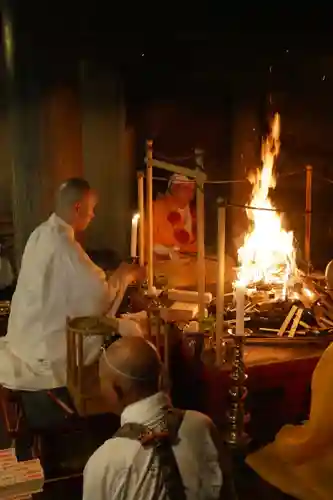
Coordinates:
70 192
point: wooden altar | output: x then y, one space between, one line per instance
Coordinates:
279 380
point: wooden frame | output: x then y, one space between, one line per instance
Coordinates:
82 380
200 178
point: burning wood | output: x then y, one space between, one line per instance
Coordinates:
308 310
280 299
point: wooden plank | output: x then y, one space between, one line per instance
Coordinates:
286 322
297 319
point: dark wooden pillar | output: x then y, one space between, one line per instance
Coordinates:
43 110
61 139
24 93
107 164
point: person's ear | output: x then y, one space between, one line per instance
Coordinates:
77 207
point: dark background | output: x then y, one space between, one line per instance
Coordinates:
189 79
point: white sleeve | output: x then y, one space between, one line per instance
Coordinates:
118 283
129 328
87 291
101 482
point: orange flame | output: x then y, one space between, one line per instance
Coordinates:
268 252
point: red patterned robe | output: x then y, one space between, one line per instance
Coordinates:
170 229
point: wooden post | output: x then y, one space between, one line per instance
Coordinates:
24 85
201 268
308 209
141 208
149 180
221 219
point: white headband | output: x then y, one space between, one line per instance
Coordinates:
179 179
123 374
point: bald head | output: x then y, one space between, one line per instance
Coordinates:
132 368
75 203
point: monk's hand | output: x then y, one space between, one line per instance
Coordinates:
138 273
133 272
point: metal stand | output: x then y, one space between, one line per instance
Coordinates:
155 321
236 436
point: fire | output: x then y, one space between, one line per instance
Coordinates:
267 255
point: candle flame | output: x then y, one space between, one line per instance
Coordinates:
135 217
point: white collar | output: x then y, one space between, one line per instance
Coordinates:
147 410
55 220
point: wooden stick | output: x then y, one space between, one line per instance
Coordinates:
201 267
141 208
221 214
286 322
308 207
294 326
177 169
149 179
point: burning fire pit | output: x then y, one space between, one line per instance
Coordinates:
280 299
267 257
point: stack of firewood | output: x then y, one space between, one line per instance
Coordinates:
306 310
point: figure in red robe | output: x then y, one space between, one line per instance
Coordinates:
174 226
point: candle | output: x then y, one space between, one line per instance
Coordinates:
149 180
142 218
240 299
134 235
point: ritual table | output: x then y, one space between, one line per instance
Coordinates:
278 384
183 272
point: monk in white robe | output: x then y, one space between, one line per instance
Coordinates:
57 281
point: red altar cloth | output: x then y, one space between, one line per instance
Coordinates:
278 383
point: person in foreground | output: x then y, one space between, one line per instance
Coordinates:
57 280
299 462
159 452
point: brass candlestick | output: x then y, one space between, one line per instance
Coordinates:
236 417
155 321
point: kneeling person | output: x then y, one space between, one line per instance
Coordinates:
159 452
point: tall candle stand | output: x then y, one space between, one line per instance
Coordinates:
236 417
155 321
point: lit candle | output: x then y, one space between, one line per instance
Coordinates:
134 235
240 299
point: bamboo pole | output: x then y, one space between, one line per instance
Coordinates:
221 220
177 169
149 180
308 208
201 268
141 208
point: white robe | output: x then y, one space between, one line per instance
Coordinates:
57 281
122 469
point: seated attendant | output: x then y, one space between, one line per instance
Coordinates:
299 462
159 453
57 280
174 222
